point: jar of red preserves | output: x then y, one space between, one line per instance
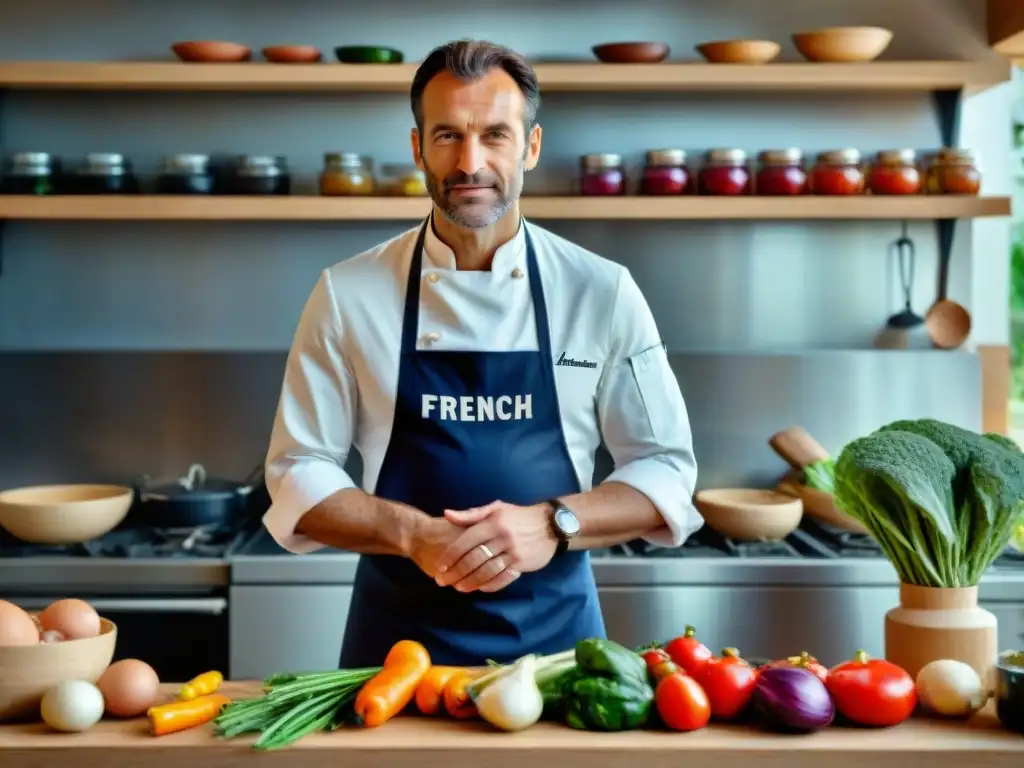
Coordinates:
954 172
665 173
725 173
896 172
838 172
781 172
602 174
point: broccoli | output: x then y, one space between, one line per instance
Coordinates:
941 501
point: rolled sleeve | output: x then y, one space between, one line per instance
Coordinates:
643 418
313 427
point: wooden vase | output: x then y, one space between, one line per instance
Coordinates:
933 623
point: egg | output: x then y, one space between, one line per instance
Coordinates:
74 619
74 705
129 687
16 626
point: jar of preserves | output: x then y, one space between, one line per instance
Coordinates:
895 172
104 173
954 172
30 173
347 173
602 174
781 172
259 175
402 181
185 175
838 172
665 173
725 172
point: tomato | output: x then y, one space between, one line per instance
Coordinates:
729 683
659 664
682 704
689 653
803 661
872 691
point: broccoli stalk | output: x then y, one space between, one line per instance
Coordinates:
821 475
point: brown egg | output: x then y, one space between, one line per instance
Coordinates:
16 626
74 619
129 688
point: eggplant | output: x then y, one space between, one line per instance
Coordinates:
793 700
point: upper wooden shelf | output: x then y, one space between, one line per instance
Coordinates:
300 208
696 76
1006 27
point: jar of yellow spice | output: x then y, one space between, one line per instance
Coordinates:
346 173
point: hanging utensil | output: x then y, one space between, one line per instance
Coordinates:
948 323
906 328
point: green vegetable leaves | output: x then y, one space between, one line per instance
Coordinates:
821 475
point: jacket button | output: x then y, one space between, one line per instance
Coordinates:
433 277
517 273
430 338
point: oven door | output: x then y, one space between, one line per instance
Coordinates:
180 637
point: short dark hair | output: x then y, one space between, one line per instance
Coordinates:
469 60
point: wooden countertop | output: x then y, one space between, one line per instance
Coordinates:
412 741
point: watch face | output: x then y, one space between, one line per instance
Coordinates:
567 522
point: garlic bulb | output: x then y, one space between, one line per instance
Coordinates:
950 688
513 701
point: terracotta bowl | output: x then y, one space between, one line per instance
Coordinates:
739 51
750 514
63 514
211 51
631 53
843 44
27 672
292 54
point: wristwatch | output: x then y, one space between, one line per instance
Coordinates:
564 524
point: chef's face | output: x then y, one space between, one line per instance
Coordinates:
474 148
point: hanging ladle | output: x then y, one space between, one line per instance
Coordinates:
948 322
906 328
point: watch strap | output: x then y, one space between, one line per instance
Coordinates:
562 541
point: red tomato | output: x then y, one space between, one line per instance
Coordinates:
729 683
803 661
682 704
872 691
659 664
689 653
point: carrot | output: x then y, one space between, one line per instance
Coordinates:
390 690
201 685
181 715
430 691
456 695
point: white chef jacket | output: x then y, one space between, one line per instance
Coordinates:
611 370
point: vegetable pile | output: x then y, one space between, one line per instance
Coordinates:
942 502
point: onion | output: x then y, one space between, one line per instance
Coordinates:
950 688
793 699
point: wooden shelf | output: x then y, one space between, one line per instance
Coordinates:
1006 27
300 208
690 76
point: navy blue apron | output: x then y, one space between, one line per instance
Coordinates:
499 438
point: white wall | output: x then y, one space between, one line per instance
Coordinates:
711 285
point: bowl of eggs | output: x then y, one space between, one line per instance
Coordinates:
56 664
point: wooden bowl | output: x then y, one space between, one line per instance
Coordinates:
749 514
739 51
631 53
948 324
211 51
843 44
63 514
292 54
27 672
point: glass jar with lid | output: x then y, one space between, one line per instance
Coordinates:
665 173
601 173
104 173
838 172
30 173
402 181
781 172
347 173
259 175
954 172
725 172
895 172
185 175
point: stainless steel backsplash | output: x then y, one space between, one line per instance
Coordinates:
73 417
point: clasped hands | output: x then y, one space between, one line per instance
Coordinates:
485 548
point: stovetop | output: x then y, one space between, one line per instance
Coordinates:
137 543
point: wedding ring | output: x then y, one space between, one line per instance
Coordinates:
487 552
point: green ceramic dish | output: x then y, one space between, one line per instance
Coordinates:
368 54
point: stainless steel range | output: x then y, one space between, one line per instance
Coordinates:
821 590
166 590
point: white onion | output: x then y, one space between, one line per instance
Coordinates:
950 688
74 705
513 701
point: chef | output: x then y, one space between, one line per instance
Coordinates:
476 362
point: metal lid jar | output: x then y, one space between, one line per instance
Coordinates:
725 172
838 172
29 173
601 173
185 175
347 173
259 175
665 173
104 173
781 172
954 172
895 172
